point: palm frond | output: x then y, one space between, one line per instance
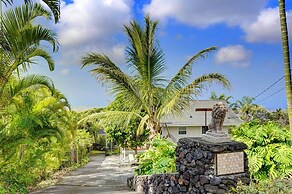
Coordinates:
18 17
33 52
22 39
32 82
107 72
135 50
118 118
153 55
180 79
143 54
19 32
142 124
54 6
7 2
173 103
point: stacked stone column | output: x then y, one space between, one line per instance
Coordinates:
195 164
196 170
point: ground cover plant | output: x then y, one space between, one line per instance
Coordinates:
279 186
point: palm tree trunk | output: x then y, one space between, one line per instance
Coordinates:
286 55
152 128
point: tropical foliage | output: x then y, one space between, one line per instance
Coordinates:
20 41
159 158
279 186
38 132
146 89
54 6
125 137
214 96
269 149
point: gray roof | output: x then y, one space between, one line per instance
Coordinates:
191 117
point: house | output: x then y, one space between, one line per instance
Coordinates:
194 121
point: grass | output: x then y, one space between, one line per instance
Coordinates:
96 152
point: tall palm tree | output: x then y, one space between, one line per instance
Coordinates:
20 40
286 56
54 6
146 89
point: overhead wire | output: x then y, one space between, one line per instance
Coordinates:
269 87
270 95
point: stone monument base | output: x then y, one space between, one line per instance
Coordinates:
202 167
216 137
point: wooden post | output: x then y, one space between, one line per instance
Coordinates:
205 110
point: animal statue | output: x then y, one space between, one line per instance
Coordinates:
218 114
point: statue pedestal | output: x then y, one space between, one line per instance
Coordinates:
202 167
216 137
207 167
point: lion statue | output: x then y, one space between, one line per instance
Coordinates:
218 114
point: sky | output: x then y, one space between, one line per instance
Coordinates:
246 32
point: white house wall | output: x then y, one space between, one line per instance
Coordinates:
192 131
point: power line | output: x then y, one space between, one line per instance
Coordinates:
270 95
269 87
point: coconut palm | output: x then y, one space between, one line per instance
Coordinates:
20 40
54 6
146 89
286 56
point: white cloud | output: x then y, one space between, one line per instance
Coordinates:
233 55
267 26
257 23
202 13
65 71
91 25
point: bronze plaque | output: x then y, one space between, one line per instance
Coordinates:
229 163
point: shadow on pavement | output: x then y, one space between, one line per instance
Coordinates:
101 175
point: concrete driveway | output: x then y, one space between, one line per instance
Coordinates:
101 175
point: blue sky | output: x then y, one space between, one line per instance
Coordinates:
246 32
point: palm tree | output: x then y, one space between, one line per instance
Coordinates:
286 56
220 97
32 112
16 87
54 6
146 89
248 110
280 116
20 40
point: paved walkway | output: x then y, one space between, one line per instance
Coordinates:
101 175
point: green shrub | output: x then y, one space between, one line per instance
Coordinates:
279 186
12 183
159 158
269 149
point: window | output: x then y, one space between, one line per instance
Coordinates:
182 130
204 129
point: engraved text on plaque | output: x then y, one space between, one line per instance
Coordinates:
229 163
